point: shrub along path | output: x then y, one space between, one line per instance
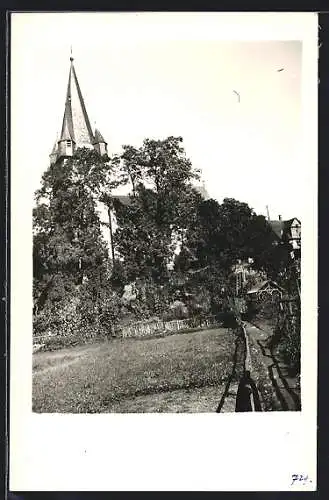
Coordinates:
179 373
278 390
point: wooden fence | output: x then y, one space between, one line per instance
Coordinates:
158 327
139 329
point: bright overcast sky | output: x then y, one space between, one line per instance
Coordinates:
156 75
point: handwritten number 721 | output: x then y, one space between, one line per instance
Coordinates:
300 478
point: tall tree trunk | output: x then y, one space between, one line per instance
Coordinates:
111 234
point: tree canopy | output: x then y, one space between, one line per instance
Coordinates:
161 206
168 240
69 252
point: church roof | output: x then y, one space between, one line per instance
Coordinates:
67 134
98 137
54 150
76 125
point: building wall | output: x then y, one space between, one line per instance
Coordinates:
101 148
102 212
296 233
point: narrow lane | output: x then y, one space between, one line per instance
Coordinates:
286 389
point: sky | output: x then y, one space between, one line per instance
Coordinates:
157 75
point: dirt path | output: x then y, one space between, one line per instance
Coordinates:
286 389
52 360
199 400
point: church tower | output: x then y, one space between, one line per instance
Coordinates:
76 131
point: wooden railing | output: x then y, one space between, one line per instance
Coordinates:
144 328
149 328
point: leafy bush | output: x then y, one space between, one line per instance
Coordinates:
90 313
56 317
229 319
289 348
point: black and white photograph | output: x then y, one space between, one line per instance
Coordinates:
159 286
167 218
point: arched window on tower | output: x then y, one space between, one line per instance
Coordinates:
68 144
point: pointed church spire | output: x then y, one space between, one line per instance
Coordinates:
76 129
53 154
99 143
99 137
54 150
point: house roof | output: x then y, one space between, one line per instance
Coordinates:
263 285
124 199
291 221
279 227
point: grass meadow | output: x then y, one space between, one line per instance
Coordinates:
179 373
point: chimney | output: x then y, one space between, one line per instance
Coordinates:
280 218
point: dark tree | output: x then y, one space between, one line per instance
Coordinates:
162 205
68 247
